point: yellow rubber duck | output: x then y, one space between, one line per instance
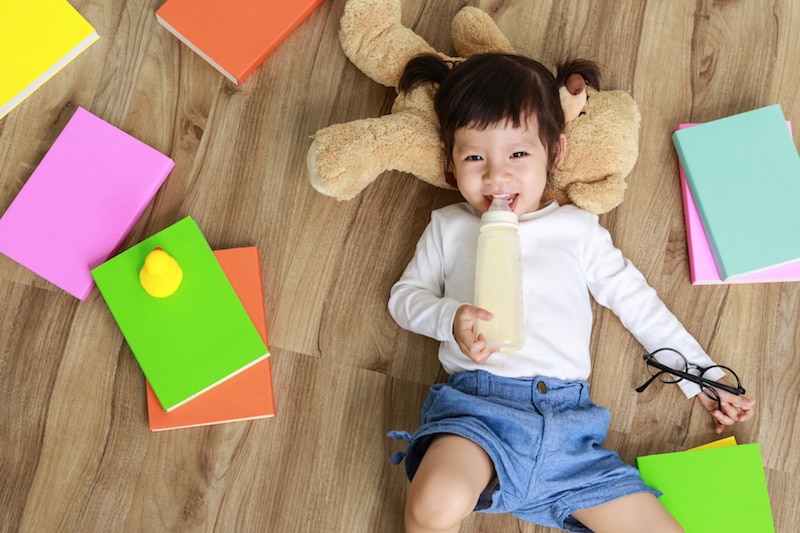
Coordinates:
161 275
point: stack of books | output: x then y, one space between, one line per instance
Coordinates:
202 349
247 395
720 486
740 182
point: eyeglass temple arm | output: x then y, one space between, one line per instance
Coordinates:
648 382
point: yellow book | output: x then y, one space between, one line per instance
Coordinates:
37 39
727 441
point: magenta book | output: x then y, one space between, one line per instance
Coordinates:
81 202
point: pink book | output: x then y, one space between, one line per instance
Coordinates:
81 202
702 267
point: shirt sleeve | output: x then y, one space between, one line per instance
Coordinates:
417 302
617 284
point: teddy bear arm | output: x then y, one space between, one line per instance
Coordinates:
374 39
598 196
473 31
345 158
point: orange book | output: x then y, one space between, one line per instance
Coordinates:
247 395
234 36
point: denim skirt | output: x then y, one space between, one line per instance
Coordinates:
544 436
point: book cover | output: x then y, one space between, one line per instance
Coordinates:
702 268
721 488
246 396
234 36
193 340
744 175
37 39
81 202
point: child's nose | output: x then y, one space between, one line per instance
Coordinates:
496 172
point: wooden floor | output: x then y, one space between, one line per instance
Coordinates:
77 455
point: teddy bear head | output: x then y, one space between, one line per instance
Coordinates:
601 133
602 146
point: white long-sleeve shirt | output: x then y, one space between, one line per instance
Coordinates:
566 255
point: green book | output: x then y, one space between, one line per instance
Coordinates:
744 175
713 489
192 340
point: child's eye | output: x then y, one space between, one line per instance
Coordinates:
518 154
474 158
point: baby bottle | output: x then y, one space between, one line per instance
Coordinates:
498 277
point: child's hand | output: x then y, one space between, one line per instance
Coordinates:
735 408
464 332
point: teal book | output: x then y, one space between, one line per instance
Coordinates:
712 489
188 342
744 175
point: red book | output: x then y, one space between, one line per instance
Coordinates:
234 36
246 396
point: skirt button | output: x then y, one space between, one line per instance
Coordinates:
542 387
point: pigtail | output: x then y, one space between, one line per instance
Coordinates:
422 69
588 70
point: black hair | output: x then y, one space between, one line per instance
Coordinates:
487 89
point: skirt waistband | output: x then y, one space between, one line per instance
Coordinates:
536 389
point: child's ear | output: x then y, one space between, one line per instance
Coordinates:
449 175
450 178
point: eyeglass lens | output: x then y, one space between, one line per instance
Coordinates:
670 359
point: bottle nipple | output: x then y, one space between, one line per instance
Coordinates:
161 275
500 203
500 212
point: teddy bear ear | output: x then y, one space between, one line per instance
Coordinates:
573 97
575 84
575 76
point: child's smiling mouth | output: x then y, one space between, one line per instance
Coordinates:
509 197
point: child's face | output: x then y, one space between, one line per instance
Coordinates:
501 160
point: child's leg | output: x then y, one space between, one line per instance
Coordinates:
633 513
453 473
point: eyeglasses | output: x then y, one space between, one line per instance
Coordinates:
677 368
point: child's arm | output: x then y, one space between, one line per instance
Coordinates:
417 301
615 283
735 408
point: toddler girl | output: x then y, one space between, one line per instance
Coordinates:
517 432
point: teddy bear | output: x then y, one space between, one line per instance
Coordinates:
601 132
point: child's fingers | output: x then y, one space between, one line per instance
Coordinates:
474 348
737 406
476 313
739 400
480 351
463 330
740 411
729 415
722 419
